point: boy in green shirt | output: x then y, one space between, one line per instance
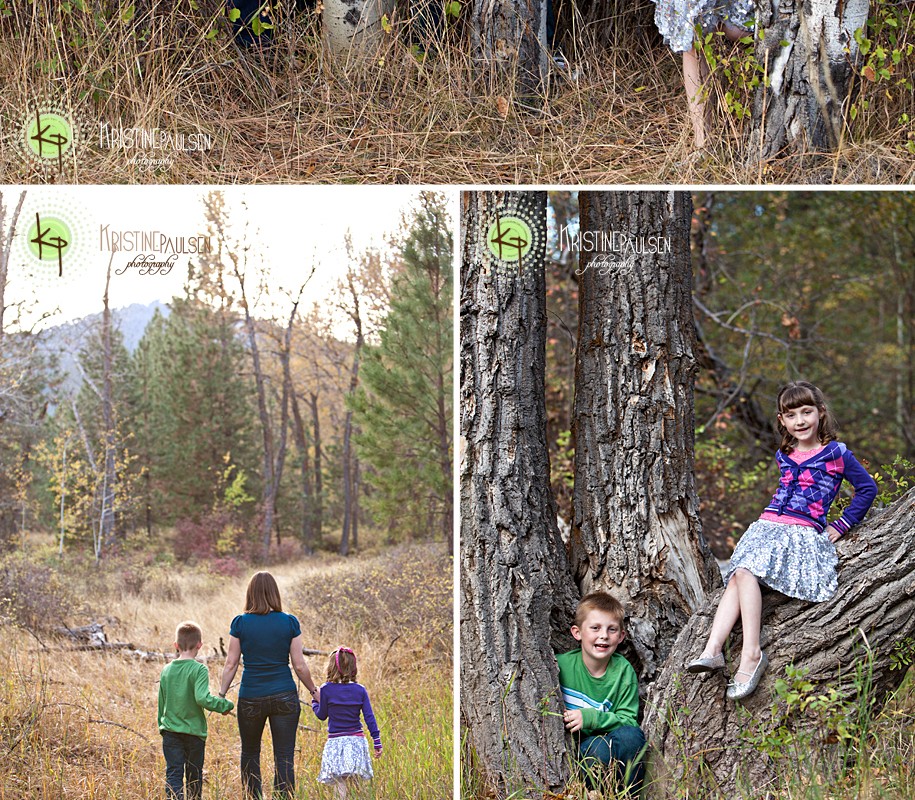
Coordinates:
601 694
184 692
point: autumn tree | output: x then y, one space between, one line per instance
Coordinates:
403 407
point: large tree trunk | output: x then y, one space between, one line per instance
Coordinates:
108 524
636 531
807 51
701 738
514 575
508 39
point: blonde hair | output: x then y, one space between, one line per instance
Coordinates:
187 634
341 668
801 393
263 595
600 601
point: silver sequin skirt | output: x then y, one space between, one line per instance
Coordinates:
796 560
676 19
345 757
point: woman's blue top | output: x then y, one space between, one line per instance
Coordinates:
265 640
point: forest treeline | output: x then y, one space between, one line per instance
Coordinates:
235 432
786 285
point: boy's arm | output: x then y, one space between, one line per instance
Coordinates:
204 698
370 722
625 708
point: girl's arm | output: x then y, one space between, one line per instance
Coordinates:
319 705
301 666
231 667
370 722
865 492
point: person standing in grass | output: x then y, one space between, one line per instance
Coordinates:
346 752
600 693
266 639
184 693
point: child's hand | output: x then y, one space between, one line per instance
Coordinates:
573 720
377 754
834 534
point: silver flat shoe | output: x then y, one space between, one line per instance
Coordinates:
738 690
698 665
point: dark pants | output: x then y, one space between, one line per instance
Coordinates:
283 712
183 760
623 748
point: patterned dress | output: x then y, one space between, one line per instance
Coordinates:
677 19
788 548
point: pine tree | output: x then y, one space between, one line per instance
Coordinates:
404 407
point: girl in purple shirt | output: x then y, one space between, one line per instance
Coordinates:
790 548
342 700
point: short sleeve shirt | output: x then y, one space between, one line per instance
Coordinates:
265 640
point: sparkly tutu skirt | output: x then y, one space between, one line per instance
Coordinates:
345 757
676 19
796 560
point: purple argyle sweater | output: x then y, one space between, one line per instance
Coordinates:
807 489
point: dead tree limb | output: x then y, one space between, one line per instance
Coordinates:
699 737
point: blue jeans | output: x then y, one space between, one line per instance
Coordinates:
183 760
623 747
282 710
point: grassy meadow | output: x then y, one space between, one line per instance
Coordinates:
416 112
82 724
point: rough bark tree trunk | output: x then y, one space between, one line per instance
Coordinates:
807 52
508 38
514 579
301 441
636 530
701 738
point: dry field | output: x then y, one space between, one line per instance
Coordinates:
83 724
295 114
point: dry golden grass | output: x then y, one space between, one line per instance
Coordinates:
83 724
294 115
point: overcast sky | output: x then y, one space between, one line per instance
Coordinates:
290 228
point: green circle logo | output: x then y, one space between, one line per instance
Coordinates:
509 238
48 136
49 238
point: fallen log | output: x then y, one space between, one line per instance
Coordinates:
851 651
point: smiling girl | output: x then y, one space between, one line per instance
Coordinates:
790 548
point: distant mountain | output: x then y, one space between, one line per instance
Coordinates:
68 339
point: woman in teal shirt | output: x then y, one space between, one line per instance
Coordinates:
266 639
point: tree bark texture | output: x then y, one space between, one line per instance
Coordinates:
636 531
700 737
807 51
514 574
508 37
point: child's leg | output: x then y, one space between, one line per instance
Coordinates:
195 747
725 618
173 750
340 789
695 73
750 618
627 750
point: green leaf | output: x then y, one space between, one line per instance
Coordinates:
386 24
128 13
234 15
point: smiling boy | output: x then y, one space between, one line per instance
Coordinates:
601 694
